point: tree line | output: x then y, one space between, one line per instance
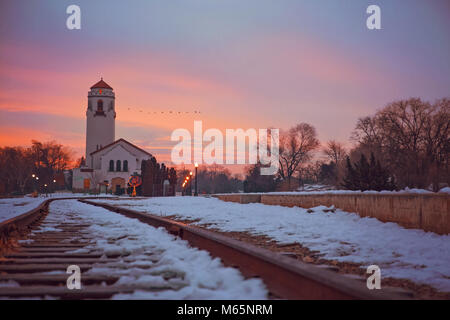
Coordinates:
211 179
39 166
407 143
404 144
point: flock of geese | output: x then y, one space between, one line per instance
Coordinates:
168 112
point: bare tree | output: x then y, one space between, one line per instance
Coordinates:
336 154
45 160
16 168
296 147
335 151
411 138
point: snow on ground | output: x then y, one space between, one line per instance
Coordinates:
314 191
13 207
445 190
160 259
423 257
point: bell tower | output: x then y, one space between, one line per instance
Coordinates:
100 118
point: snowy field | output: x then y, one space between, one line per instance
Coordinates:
158 260
423 257
13 207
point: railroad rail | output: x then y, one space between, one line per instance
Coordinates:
285 277
39 265
23 223
33 265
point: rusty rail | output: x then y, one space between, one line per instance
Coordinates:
22 223
285 277
38 268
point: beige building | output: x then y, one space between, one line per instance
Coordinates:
109 163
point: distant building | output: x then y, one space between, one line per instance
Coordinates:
109 163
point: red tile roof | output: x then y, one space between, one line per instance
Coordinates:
117 141
101 84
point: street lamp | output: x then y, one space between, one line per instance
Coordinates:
196 190
37 185
34 183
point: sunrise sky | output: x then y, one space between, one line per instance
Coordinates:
241 63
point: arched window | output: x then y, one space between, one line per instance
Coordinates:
100 105
118 165
125 165
111 165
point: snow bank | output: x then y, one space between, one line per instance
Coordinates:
445 190
423 257
158 260
315 191
13 207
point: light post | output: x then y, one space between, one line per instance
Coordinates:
187 185
190 183
184 186
54 186
37 186
196 190
33 176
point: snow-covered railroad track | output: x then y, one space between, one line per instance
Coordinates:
37 267
285 277
118 257
131 255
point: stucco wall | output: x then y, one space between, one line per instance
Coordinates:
78 179
239 198
430 212
100 130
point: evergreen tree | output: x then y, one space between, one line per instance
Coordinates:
363 172
351 181
255 182
365 175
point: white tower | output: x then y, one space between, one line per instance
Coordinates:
100 119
